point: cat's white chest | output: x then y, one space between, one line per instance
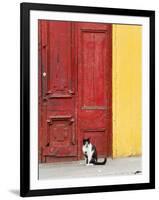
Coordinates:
88 151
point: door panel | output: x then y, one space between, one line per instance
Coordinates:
57 60
94 85
91 44
57 89
60 137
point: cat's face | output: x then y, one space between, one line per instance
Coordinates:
86 142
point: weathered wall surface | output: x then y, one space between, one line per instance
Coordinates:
127 42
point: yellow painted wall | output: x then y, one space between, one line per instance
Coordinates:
127 42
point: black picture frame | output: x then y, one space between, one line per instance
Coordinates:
25 9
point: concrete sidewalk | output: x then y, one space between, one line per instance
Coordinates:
113 167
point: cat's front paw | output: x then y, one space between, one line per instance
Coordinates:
89 164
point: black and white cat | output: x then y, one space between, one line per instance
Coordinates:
90 153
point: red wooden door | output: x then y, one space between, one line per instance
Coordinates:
57 96
94 85
74 89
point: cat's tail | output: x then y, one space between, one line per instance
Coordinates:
101 163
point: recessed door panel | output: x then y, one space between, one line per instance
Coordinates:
93 52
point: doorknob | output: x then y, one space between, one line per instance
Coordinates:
44 74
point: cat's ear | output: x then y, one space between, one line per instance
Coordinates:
89 139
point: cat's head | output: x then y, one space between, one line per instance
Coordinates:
86 141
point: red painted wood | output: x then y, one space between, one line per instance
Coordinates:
57 133
74 89
94 85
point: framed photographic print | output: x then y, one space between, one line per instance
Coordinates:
87 99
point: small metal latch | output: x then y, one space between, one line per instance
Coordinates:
72 120
71 92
